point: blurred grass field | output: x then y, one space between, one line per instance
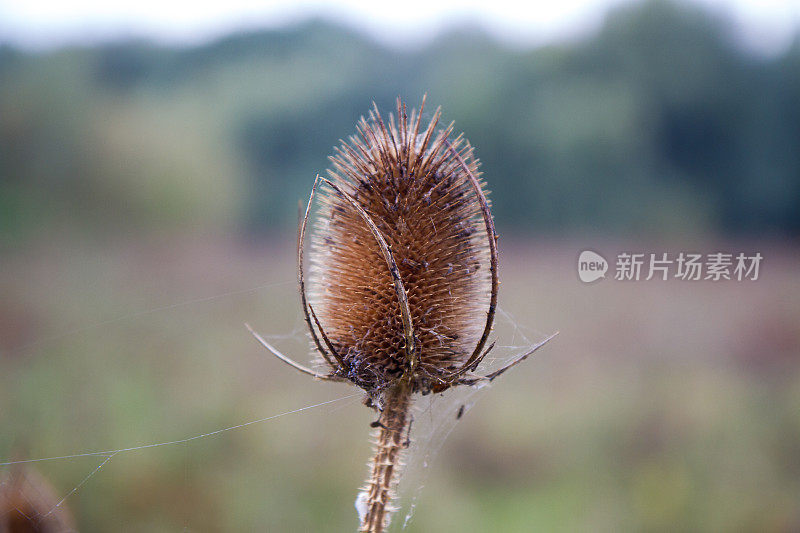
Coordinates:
660 406
147 211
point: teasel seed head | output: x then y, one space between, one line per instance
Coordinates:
403 279
411 187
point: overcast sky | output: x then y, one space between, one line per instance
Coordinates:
766 25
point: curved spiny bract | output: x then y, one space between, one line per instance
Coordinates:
419 195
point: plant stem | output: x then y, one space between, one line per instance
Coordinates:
390 440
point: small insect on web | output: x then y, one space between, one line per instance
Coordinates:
399 280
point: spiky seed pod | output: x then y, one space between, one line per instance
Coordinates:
403 277
418 192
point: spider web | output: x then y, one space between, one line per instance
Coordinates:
435 416
13 477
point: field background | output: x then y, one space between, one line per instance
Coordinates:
660 405
148 201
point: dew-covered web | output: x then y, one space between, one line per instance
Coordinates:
434 416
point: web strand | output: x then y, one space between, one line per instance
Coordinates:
78 486
111 453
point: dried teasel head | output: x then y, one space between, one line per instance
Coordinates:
403 216
403 278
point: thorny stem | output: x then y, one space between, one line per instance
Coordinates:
390 440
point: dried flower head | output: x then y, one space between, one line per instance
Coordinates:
403 284
427 208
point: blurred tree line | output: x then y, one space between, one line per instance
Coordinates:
659 123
